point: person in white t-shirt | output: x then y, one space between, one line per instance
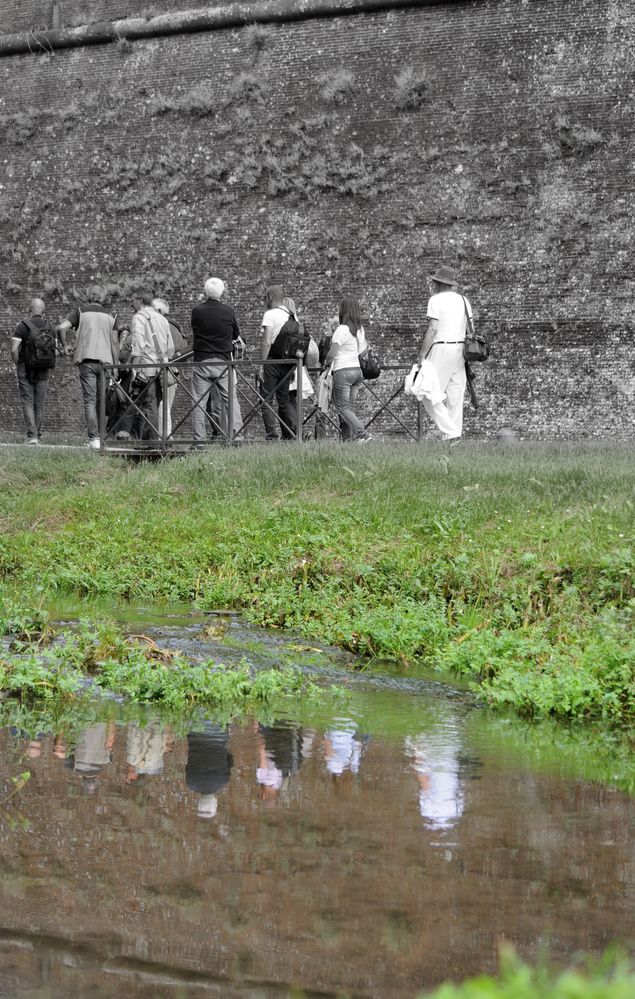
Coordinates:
347 343
443 347
275 378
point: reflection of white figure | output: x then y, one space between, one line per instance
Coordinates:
342 748
434 758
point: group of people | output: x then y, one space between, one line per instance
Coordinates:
137 354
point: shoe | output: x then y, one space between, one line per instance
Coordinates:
454 441
93 443
32 440
363 438
197 447
123 435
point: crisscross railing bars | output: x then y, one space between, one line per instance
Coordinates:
136 400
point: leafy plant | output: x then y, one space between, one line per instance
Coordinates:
336 85
411 89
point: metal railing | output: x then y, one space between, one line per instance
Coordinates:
133 416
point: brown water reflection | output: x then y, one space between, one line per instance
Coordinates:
250 859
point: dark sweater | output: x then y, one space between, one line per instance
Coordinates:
214 328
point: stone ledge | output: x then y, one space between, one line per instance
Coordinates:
199 19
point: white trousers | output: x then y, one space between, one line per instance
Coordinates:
450 368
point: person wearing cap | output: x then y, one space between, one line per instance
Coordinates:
443 348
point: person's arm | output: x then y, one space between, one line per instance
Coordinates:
266 339
16 342
71 322
114 345
61 334
429 338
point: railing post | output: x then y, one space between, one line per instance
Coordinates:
164 407
102 405
299 433
230 400
419 408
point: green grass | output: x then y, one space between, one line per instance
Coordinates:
510 566
611 978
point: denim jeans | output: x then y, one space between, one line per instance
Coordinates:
346 384
33 400
275 385
213 373
89 380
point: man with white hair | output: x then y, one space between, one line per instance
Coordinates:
214 328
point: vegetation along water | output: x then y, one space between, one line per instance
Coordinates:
510 567
506 568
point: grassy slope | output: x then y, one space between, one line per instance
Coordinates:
510 565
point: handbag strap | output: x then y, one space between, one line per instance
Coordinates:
470 324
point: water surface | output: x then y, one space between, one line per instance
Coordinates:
370 852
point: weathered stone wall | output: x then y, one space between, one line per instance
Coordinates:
305 153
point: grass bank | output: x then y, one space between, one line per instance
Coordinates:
611 978
510 566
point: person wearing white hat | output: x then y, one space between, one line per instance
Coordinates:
443 348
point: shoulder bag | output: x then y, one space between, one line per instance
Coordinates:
476 347
369 364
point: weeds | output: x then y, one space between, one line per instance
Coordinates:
613 977
337 85
99 658
411 89
577 140
525 585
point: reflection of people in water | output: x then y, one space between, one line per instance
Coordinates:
434 758
145 749
343 748
92 754
208 766
279 756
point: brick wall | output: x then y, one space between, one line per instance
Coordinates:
515 167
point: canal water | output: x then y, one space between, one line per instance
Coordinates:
371 849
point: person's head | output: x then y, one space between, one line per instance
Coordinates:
160 305
214 289
274 296
289 305
96 293
207 806
37 307
350 313
141 298
90 784
443 279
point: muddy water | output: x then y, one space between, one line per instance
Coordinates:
371 852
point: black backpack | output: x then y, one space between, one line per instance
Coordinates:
39 347
291 342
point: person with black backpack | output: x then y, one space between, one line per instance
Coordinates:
284 338
33 351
